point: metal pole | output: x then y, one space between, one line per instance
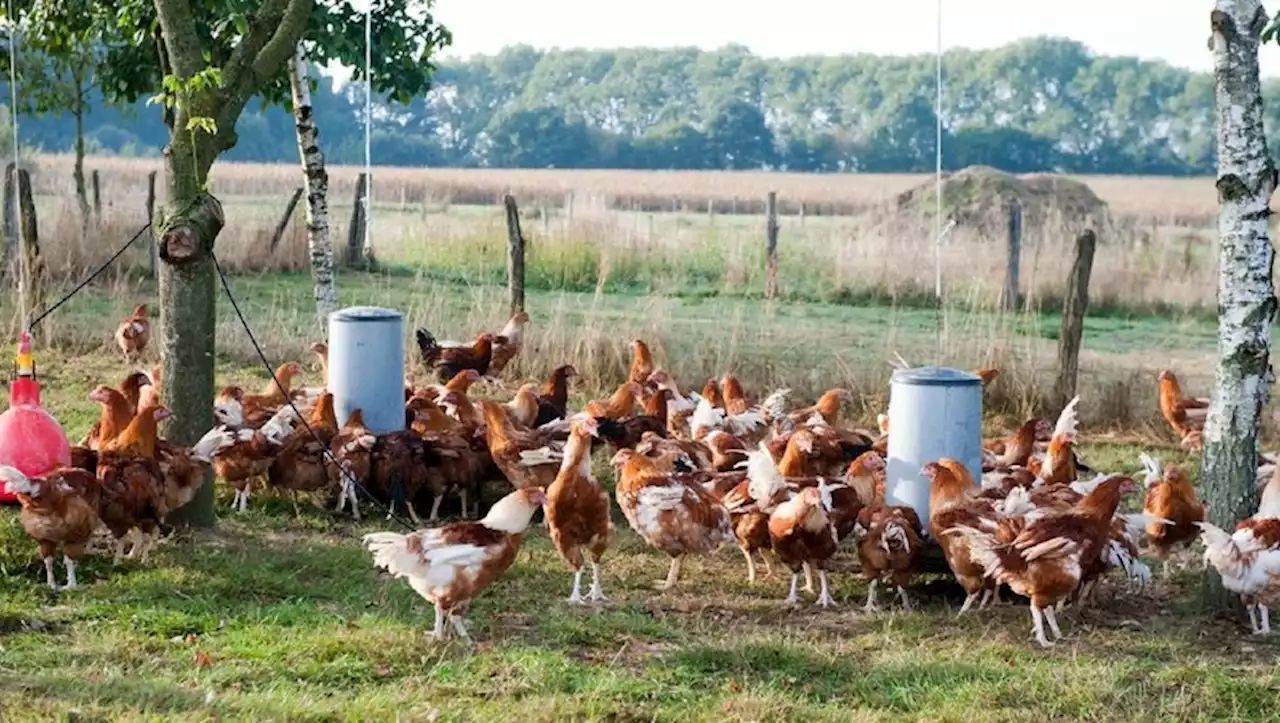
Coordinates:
937 200
368 125
939 321
17 165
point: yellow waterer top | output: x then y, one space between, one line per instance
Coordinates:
25 362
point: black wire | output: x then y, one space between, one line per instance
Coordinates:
328 454
40 317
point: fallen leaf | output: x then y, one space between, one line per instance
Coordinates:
202 659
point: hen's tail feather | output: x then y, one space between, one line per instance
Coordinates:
1000 561
427 345
1212 535
391 553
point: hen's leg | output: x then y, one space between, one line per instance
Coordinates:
1085 594
808 579
988 594
147 539
1164 573
751 566
355 502
906 601
71 573
342 493
673 574
576 597
135 543
1037 621
244 499
48 573
413 514
597 592
871 606
460 625
435 509
767 555
119 551
824 598
462 495
1265 616
1053 623
969 600
438 630
794 597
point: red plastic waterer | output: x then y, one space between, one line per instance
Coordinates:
31 440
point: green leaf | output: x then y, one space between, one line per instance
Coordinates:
208 125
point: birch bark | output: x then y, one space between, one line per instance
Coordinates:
317 182
1246 298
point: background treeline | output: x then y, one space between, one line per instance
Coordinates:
1036 105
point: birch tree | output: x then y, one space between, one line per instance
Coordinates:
1246 298
317 181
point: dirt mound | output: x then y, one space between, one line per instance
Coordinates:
978 198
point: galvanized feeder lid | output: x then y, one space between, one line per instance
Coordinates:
366 313
935 377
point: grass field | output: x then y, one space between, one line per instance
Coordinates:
213 628
855 287
805 346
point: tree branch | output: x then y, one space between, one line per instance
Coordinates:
249 79
162 56
282 44
261 27
179 29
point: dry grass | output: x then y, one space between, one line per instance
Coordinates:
859 287
1157 198
1143 263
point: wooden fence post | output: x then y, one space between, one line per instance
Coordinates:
286 218
153 249
29 232
771 246
97 197
355 230
1014 258
568 207
10 220
515 255
802 214
1074 307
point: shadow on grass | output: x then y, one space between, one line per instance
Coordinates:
152 696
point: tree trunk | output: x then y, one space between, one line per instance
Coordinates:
1246 299
186 227
82 193
317 180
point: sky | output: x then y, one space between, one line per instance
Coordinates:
1176 31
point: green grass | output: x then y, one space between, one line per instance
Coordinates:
296 625
274 618
807 346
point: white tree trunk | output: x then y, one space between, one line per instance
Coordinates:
317 181
1246 299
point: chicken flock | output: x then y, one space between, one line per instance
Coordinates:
790 487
